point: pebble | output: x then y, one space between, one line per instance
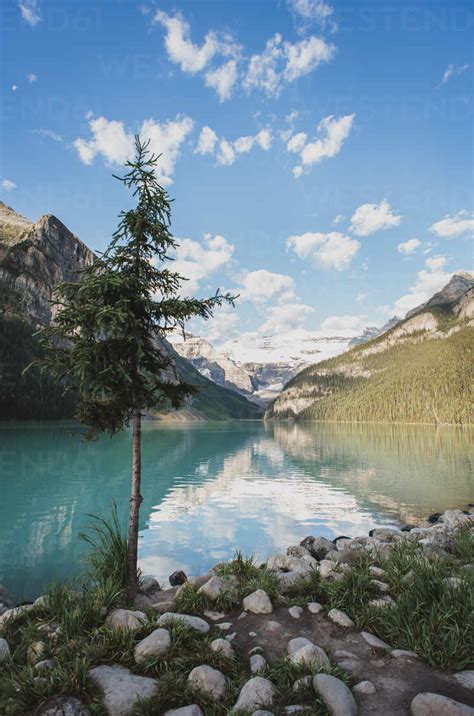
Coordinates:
252 633
225 626
364 687
335 694
403 654
315 607
214 616
222 646
295 612
341 618
44 665
426 704
258 663
465 678
343 654
258 603
242 615
208 680
256 692
149 584
374 642
155 644
231 637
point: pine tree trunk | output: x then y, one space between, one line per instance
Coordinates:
135 501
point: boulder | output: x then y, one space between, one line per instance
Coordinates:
122 691
177 578
297 643
216 586
426 704
155 644
258 603
149 584
335 694
298 551
222 646
192 622
326 568
339 617
455 518
318 547
286 563
310 655
62 706
208 681
125 619
256 692
287 580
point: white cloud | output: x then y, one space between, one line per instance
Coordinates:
115 144
30 11
312 11
48 133
190 57
330 251
283 62
31 77
343 323
429 280
453 71
408 247
262 285
226 151
223 79
332 133
453 226
206 142
369 218
8 185
286 317
337 219
196 261
14 88
223 325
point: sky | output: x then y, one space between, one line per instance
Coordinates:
319 154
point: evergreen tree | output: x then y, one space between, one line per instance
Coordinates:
106 337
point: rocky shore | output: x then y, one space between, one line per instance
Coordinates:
363 625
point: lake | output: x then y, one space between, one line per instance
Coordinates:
210 488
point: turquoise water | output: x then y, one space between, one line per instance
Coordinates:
210 488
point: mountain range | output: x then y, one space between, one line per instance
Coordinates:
419 370
34 258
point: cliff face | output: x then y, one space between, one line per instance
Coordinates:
35 257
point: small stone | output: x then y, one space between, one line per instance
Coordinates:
214 616
377 572
295 612
335 694
256 692
35 651
426 704
465 678
193 622
5 654
295 709
381 586
192 710
315 607
225 626
272 626
352 666
341 618
255 650
310 655
155 644
382 602
208 680
231 637
242 615
122 690
177 578
252 633
125 619
403 654
343 654
258 603
149 584
374 642
222 646
44 665
364 687
258 663
62 706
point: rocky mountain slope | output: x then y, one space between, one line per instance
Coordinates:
420 370
34 258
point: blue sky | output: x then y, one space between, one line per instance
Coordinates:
319 154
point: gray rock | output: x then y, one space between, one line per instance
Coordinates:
335 694
258 603
455 518
287 580
385 534
297 643
62 706
352 666
452 582
259 712
15 612
315 607
125 619
363 688
344 654
5 654
155 644
403 654
310 655
231 637
225 626
271 626
295 709
256 692
192 710
45 665
213 588
207 680
122 690
298 551
317 546
465 678
222 646
177 578
286 563
258 663
426 704
381 586
377 572
326 568
162 607
193 622
382 602
374 642
149 584
295 612
302 682
341 618
214 616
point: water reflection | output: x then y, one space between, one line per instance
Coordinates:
211 488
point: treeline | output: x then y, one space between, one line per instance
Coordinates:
31 395
430 381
